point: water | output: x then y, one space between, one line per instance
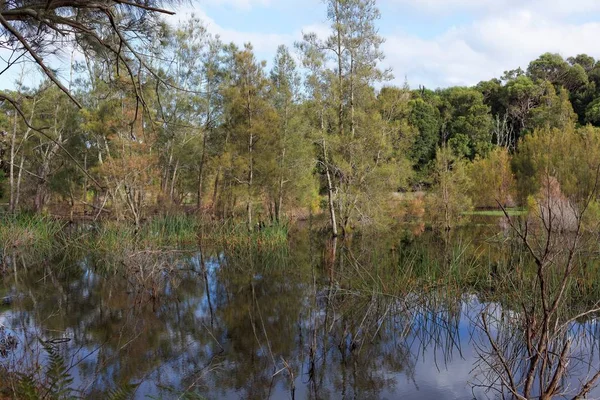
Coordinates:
374 318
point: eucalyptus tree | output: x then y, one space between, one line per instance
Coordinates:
249 124
294 162
37 29
318 109
191 61
362 146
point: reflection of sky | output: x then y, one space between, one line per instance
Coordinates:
436 367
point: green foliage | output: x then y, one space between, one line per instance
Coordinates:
217 134
570 156
494 182
467 121
58 380
426 118
548 67
448 199
29 231
27 388
592 112
125 392
555 110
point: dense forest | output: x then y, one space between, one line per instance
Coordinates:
171 119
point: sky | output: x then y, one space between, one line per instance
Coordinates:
433 43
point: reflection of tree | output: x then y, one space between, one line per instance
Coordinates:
369 335
114 337
534 350
340 319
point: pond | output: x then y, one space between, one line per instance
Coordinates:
379 316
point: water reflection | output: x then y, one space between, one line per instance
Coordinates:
369 318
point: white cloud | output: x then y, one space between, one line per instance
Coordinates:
499 34
489 45
265 44
556 7
239 4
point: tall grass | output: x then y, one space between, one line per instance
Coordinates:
232 235
34 232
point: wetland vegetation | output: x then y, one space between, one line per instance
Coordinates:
183 222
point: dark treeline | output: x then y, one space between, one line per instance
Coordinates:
207 127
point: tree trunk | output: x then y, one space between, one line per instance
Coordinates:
352 123
12 165
279 203
250 162
173 179
340 73
334 230
216 190
19 178
201 175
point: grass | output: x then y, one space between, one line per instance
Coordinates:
38 233
512 212
232 235
113 241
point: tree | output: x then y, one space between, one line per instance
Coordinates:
495 182
37 29
567 155
548 67
585 61
294 153
425 117
522 95
592 112
189 117
363 150
467 121
317 84
250 124
448 200
554 109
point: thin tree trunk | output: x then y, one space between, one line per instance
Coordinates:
352 122
207 130
19 177
340 73
279 203
12 165
201 176
85 180
173 179
251 162
334 230
216 190
14 191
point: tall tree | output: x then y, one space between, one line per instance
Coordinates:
363 151
294 163
250 123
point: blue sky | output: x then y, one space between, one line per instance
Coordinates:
435 43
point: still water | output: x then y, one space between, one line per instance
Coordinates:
380 317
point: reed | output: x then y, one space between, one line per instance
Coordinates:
34 232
